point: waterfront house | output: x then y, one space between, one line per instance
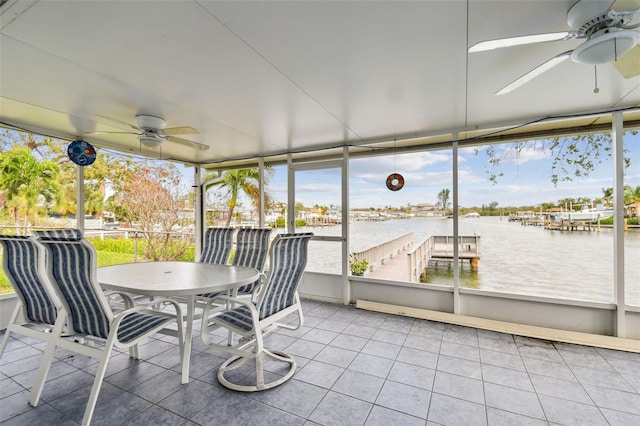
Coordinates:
321 85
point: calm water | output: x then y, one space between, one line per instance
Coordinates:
514 258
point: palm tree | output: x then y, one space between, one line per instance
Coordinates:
237 181
607 195
631 194
22 175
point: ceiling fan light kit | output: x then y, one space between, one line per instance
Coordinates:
150 141
604 46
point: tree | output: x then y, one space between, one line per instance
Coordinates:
154 198
242 181
571 157
107 167
631 194
25 177
607 196
443 199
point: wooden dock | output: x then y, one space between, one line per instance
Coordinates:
411 265
569 226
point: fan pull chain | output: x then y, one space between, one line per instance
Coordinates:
595 72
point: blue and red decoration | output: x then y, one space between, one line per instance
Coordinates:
81 153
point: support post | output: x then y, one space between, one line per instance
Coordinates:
261 191
291 196
199 210
80 198
618 223
346 285
456 266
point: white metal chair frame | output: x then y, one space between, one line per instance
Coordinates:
254 320
124 329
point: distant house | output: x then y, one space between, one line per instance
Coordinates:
426 210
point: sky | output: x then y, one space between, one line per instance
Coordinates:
526 180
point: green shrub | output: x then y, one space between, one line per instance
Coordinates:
358 267
114 245
280 223
609 221
189 255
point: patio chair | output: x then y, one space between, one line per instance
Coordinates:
217 245
127 299
70 270
252 249
37 305
253 320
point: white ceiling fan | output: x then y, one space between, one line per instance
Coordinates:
151 132
605 26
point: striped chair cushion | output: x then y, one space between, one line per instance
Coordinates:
137 324
71 268
59 234
252 249
239 318
217 245
288 260
21 265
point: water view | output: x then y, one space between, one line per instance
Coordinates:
514 258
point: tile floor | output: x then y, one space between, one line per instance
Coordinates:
354 367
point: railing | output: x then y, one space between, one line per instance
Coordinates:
440 247
468 247
380 252
419 259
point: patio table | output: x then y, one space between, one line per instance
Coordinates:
185 280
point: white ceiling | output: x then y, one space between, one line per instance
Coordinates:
267 77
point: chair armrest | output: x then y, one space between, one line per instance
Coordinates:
144 307
126 298
228 300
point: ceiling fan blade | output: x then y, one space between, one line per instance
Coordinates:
188 143
628 65
517 41
625 5
112 133
534 73
184 130
115 120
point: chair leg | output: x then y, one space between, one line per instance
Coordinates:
97 384
47 359
12 321
260 371
134 352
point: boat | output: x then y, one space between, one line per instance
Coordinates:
589 215
472 214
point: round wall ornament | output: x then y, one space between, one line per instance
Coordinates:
395 182
81 153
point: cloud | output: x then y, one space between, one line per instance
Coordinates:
400 163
